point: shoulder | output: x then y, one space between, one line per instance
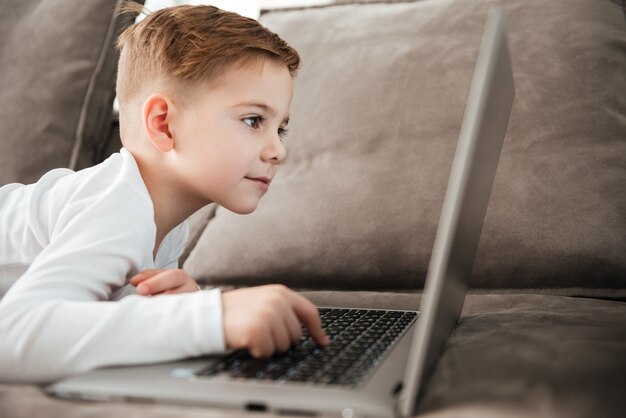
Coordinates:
58 188
118 173
108 199
112 195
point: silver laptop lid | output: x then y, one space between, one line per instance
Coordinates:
465 203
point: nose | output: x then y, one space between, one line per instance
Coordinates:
274 151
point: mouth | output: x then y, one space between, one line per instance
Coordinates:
263 182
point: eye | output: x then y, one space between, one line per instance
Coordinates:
282 132
253 121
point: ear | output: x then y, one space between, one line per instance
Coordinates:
156 115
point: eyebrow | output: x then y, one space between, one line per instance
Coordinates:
269 109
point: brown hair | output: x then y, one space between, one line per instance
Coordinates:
191 44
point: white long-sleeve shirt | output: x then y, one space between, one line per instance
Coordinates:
80 236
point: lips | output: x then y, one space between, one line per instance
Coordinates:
265 180
262 182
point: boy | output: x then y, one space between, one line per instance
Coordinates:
204 101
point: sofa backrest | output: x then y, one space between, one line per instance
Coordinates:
374 123
57 83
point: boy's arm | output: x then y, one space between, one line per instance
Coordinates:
56 320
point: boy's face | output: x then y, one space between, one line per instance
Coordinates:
228 144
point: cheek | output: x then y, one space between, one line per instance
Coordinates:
228 163
226 176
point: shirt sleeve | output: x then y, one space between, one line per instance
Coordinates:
57 320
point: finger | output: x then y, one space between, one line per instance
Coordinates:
146 274
294 327
136 279
263 345
170 279
187 287
280 333
307 312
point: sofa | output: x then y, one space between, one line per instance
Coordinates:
351 217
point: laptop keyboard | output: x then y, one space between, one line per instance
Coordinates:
359 340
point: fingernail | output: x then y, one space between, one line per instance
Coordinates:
142 289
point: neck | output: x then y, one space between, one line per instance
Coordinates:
171 204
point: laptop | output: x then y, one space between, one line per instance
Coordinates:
378 361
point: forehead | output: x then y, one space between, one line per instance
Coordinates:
262 81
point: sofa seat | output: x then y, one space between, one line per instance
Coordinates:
512 355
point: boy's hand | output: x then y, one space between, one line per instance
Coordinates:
266 319
158 282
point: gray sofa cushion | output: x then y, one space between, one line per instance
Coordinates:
532 356
57 83
375 119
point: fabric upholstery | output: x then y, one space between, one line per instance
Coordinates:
374 123
532 356
57 82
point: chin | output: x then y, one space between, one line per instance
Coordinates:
241 208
